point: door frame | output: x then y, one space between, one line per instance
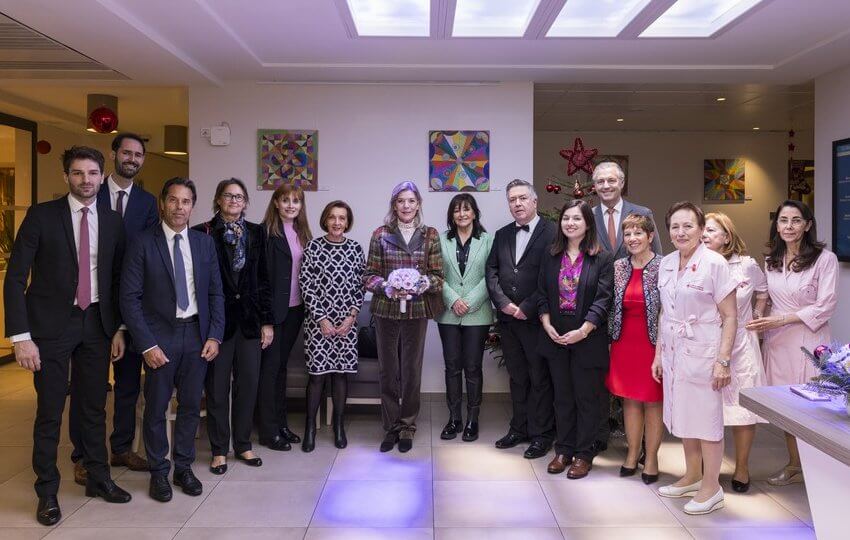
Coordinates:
26 125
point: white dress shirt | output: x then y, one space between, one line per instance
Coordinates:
114 188
618 216
522 237
192 309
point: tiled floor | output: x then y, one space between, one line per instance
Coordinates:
441 489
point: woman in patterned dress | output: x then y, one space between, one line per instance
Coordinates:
747 370
332 288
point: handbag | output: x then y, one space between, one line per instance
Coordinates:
367 340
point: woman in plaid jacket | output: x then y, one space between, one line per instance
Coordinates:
403 242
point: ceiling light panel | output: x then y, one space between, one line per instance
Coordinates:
391 18
595 18
493 18
697 18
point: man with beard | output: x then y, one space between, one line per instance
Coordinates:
67 319
139 210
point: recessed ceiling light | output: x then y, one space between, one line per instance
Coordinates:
392 18
619 119
721 99
697 18
488 18
756 128
595 18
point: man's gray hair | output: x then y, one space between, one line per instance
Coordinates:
520 183
621 176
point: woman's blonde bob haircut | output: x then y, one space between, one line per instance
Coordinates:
736 245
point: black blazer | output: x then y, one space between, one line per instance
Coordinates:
44 248
511 282
148 296
140 210
279 260
247 297
593 302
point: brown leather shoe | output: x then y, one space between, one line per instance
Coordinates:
81 475
131 460
559 464
579 469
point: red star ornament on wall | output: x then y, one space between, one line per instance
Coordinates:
578 157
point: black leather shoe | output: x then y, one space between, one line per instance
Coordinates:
340 440
107 490
627 471
740 487
599 447
451 429
48 512
251 462
389 441
287 434
278 443
309 442
190 484
470 432
218 469
510 440
160 489
649 478
535 450
405 441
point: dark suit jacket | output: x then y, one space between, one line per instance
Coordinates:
148 297
279 261
247 296
517 282
45 249
628 208
140 210
593 302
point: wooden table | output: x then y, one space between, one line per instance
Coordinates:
822 429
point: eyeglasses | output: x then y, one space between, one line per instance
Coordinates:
604 181
794 222
238 197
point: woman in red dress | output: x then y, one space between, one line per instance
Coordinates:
633 327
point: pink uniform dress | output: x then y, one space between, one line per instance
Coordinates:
812 295
747 367
689 331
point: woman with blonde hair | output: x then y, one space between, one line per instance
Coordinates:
747 370
287 234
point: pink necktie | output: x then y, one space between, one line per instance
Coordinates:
84 264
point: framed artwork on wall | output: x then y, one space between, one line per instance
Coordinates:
724 180
801 181
459 161
841 199
287 156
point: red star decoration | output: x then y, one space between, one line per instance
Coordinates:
579 158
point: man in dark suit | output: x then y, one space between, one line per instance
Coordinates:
138 208
72 251
172 301
608 181
512 270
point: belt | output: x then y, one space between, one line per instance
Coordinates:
685 328
187 320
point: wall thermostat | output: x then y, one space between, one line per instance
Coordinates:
220 135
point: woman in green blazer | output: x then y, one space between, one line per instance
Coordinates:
465 323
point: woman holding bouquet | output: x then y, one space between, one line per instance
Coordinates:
802 278
412 250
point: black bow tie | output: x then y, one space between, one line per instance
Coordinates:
525 227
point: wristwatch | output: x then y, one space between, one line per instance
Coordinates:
724 363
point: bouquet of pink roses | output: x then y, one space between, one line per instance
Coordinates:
404 283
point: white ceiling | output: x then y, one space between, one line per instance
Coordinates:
186 42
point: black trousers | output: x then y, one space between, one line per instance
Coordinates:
271 394
237 366
401 345
463 351
85 346
577 395
530 381
184 371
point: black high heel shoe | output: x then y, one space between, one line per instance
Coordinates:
627 471
340 440
253 462
649 478
308 444
740 487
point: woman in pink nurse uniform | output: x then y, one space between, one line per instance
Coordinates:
802 280
696 333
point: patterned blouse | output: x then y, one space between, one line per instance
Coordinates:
652 297
568 282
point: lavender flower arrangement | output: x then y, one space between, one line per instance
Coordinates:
404 284
833 362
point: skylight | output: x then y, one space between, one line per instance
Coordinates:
595 18
697 18
493 18
405 18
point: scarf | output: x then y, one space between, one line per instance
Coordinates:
234 239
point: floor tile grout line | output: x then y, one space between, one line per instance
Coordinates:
321 492
218 483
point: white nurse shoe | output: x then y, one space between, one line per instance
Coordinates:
674 492
697 508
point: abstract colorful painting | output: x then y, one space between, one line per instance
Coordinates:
724 180
288 156
459 160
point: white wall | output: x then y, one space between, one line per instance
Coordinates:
832 122
370 138
668 167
